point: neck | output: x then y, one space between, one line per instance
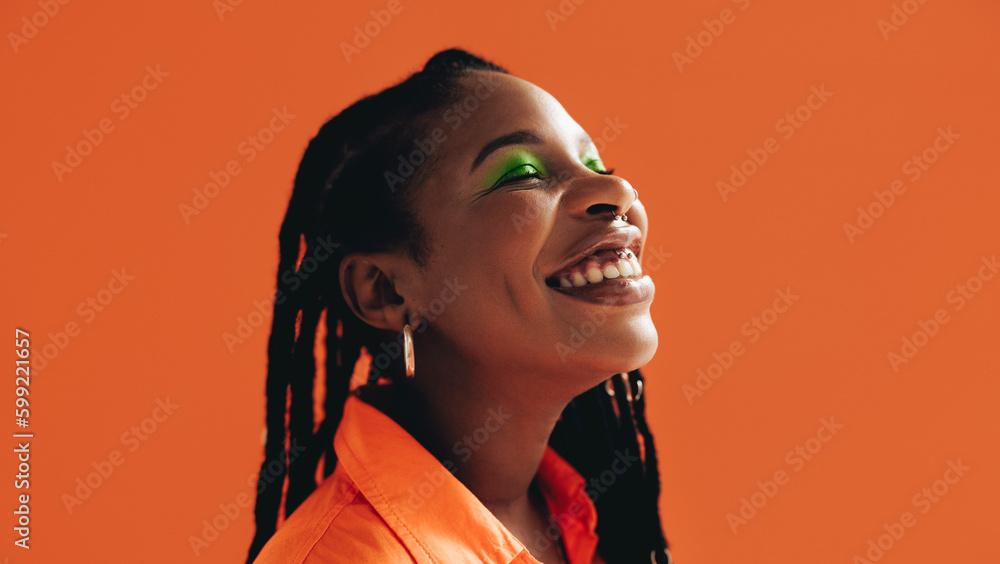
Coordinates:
492 439
492 443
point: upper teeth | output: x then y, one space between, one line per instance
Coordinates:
623 268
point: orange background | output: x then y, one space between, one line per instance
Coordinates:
161 336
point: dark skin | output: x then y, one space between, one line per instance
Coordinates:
493 344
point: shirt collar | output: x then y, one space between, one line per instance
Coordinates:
435 516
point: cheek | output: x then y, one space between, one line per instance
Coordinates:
508 229
519 231
530 214
498 248
517 224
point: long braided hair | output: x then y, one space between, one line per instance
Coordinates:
340 181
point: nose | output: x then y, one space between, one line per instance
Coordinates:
599 195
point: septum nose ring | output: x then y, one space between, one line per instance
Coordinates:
624 217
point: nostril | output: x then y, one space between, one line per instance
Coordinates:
598 209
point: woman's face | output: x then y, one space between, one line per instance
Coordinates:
513 200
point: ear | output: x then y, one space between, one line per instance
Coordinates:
367 282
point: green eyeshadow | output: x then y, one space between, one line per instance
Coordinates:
593 162
512 164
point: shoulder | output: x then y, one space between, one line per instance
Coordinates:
334 525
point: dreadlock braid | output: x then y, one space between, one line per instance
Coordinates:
649 501
596 430
337 186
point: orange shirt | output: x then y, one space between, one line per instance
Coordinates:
390 501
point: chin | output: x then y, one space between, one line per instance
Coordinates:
640 351
621 351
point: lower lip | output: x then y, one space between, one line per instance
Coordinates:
614 292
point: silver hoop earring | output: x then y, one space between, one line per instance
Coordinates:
408 350
609 387
610 390
666 553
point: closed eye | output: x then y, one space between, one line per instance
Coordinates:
518 173
597 166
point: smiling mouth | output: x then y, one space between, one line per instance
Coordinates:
597 268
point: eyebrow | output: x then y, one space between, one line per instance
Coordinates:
524 136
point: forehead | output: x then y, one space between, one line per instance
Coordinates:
496 104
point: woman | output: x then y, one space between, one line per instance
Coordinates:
461 228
